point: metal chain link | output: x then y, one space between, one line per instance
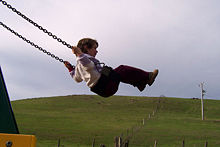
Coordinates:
35 24
32 43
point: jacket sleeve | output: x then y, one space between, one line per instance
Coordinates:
76 78
85 69
86 62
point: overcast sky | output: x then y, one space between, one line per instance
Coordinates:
180 38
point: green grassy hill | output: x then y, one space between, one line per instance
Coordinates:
78 119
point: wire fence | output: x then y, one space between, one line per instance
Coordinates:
125 138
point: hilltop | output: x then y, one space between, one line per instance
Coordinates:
78 119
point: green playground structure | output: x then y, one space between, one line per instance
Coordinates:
7 120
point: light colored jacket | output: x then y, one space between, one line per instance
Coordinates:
87 69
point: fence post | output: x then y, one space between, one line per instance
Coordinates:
155 143
126 143
132 131
156 108
122 135
93 143
183 143
116 141
58 142
206 144
120 142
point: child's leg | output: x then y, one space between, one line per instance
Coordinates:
106 87
134 76
111 88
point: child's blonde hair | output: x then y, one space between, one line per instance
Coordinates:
88 42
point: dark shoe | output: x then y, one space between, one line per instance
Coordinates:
153 76
141 86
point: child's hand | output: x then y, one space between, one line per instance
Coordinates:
77 51
68 65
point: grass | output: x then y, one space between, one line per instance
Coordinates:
78 119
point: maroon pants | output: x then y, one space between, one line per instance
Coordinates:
128 75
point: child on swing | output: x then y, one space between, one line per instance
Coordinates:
103 80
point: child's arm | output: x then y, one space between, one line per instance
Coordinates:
84 60
72 71
84 67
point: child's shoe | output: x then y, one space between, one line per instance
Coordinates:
141 86
153 76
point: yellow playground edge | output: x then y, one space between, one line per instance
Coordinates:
17 140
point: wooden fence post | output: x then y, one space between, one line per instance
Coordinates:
116 141
58 142
155 143
93 143
132 131
126 143
120 142
122 135
156 108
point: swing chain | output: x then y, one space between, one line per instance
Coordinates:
32 43
35 24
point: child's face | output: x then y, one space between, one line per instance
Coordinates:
92 51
